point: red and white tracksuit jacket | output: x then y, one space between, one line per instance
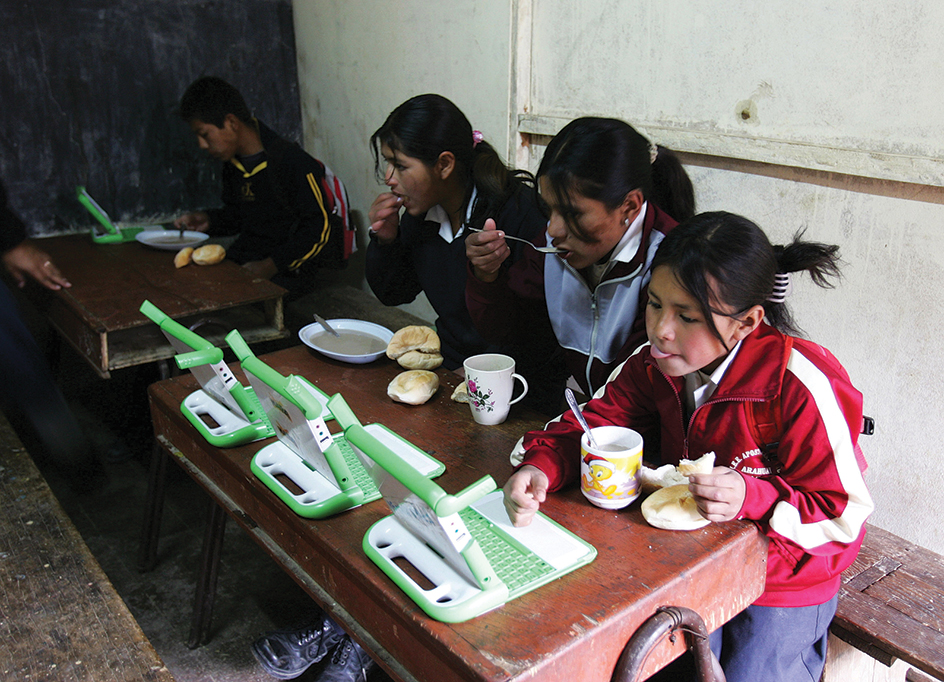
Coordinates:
811 502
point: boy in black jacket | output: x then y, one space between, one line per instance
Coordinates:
274 197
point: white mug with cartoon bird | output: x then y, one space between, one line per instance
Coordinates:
609 471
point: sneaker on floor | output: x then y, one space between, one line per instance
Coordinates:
348 663
286 654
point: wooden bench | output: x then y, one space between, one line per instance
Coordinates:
889 624
60 617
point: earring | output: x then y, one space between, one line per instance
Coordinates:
626 222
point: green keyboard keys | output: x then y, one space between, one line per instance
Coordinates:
514 564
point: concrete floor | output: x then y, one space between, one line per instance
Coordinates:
253 595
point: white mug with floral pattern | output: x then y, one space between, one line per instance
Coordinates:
490 378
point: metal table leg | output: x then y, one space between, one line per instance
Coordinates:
153 508
209 572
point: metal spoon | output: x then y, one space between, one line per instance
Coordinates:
324 323
572 401
542 249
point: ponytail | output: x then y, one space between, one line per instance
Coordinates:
821 261
672 189
425 126
725 259
496 183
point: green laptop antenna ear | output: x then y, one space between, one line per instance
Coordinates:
192 339
152 312
343 414
239 345
206 356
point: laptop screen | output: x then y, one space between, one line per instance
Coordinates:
210 377
292 427
447 535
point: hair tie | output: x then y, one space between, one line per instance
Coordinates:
653 152
783 285
477 137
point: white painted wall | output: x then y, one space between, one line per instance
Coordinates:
358 60
885 321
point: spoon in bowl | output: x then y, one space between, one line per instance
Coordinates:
572 401
324 323
541 249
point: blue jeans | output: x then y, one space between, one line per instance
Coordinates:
771 644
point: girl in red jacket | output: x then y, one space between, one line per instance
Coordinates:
718 356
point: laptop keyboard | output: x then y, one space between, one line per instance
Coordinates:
360 475
515 565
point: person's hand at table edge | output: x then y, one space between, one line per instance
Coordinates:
198 221
27 260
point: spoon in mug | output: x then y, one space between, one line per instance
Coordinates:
541 249
572 401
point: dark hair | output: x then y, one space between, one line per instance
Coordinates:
605 159
425 126
210 99
737 256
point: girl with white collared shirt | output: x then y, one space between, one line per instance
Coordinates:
442 177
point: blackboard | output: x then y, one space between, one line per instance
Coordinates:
88 96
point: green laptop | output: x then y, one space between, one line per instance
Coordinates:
224 411
463 544
112 233
315 473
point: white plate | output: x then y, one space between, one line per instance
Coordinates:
170 240
311 334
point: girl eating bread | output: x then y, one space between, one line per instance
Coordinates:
723 359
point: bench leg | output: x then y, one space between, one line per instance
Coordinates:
153 508
666 621
206 581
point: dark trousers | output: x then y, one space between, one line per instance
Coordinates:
771 644
31 400
765 644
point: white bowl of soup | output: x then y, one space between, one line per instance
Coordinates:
357 342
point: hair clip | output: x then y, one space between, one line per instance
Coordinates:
653 152
783 285
477 137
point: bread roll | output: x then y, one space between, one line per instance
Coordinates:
414 359
673 508
461 394
414 387
183 257
210 254
414 337
702 465
653 479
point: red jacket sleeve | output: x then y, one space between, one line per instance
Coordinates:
626 401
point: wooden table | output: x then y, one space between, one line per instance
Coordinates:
60 617
99 314
573 629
